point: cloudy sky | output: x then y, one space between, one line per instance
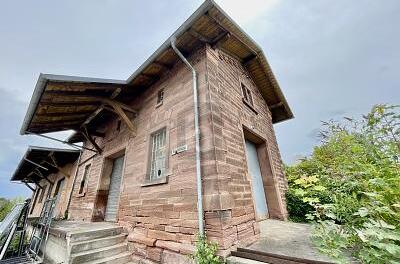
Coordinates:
332 58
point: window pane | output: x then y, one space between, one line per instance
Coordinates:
84 178
244 92
157 166
42 193
160 96
250 96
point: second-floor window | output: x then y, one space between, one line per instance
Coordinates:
42 193
158 154
160 97
84 179
247 96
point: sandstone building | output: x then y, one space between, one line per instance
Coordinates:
138 162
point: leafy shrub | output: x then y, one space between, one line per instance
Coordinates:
352 184
7 205
205 252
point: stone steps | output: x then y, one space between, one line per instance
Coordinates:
266 257
78 236
238 260
122 258
102 242
98 253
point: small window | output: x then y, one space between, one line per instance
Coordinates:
247 96
158 155
160 97
84 179
36 195
42 193
59 185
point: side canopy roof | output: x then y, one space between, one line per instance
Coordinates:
67 102
39 162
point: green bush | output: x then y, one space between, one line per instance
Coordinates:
206 252
7 205
351 183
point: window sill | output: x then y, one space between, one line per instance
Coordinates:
249 106
163 180
159 104
80 195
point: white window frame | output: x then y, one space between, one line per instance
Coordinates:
158 154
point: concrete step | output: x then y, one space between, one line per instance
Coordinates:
122 258
98 254
238 260
102 242
273 258
96 233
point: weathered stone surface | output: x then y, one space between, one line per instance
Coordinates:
140 238
163 217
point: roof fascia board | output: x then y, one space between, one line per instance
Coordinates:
207 5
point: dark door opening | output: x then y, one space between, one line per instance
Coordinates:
107 198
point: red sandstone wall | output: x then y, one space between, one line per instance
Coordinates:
162 219
235 223
61 206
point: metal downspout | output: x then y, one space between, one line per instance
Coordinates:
197 138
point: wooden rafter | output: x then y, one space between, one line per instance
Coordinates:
88 137
55 165
39 173
199 36
163 65
275 105
121 113
30 187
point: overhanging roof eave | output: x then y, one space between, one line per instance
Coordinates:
40 87
37 148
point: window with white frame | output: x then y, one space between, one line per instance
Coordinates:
158 154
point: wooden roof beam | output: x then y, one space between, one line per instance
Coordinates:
111 102
40 174
89 138
163 65
271 107
218 38
199 36
30 187
121 113
231 33
44 103
80 113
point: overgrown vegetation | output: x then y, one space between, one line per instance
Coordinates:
206 252
350 187
7 205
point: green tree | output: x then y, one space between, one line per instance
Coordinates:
7 205
350 186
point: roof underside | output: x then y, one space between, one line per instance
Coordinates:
65 102
29 172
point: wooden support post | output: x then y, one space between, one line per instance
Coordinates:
39 173
90 139
121 105
55 165
120 112
30 187
37 184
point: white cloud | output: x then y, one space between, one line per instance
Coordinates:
249 11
